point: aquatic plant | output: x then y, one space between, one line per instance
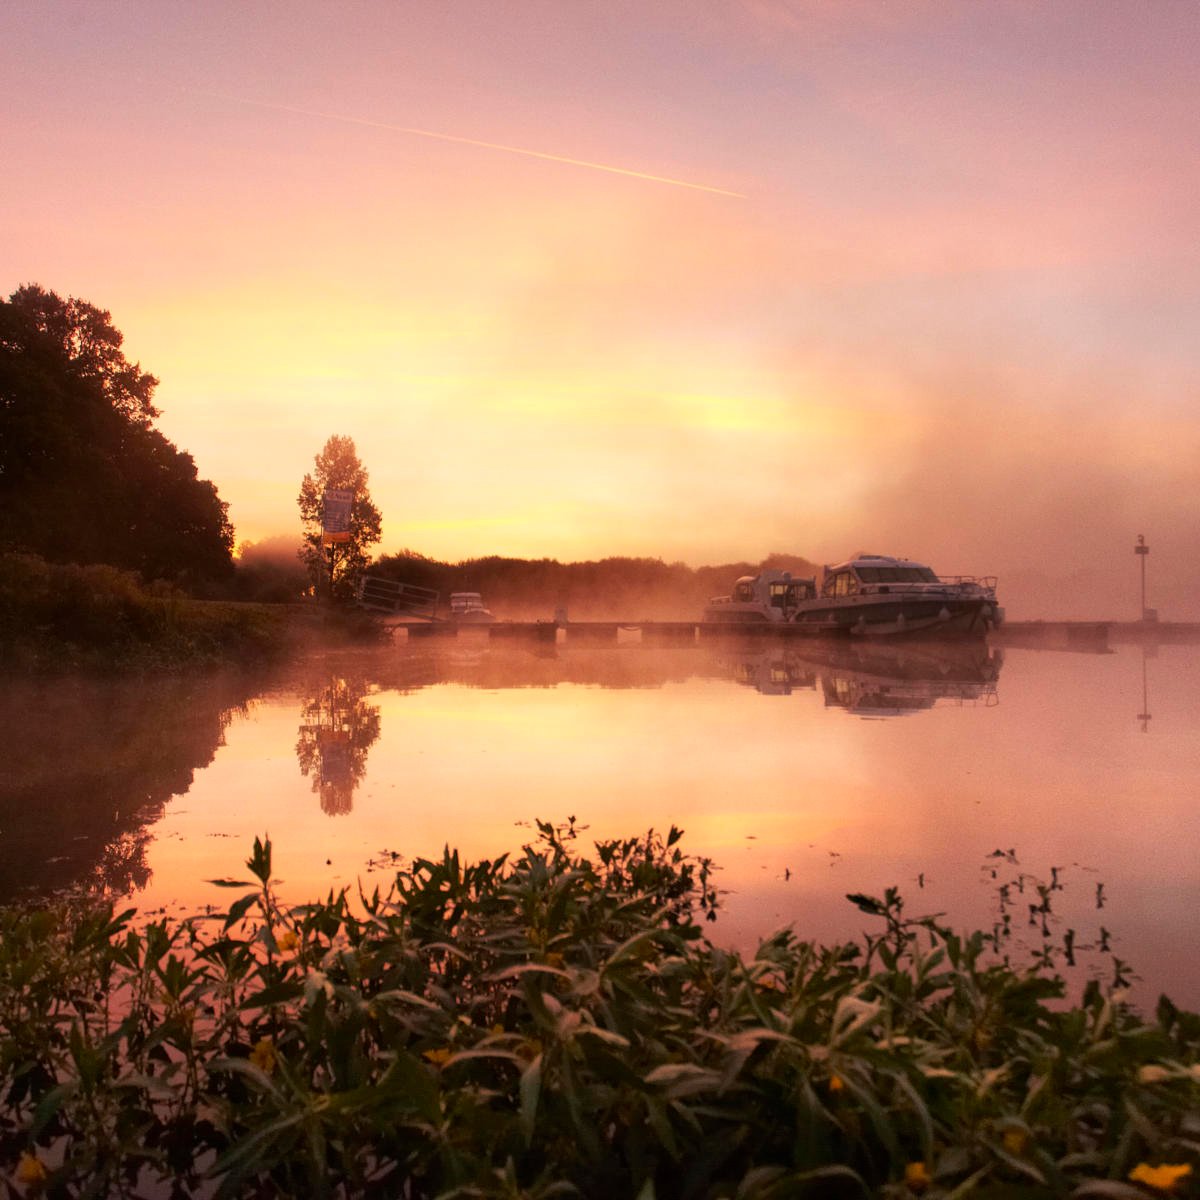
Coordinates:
556 1024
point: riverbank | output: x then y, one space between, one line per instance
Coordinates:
558 1024
56 618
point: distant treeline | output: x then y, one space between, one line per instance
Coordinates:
611 588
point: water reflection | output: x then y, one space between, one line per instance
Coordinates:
504 667
1149 650
877 680
90 765
166 783
338 725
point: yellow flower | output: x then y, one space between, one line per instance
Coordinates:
1163 1177
529 1049
1015 1140
836 1084
287 940
263 1055
438 1057
31 1170
917 1176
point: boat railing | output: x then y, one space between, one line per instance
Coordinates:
986 583
983 581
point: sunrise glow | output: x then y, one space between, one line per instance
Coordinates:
696 282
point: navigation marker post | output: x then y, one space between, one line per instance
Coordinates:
1141 550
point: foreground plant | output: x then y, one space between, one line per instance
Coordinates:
557 1025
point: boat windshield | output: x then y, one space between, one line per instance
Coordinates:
896 575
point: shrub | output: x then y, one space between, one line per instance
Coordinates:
558 1025
62 616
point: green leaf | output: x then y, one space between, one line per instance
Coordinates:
238 1160
1108 1189
242 1066
239 908
850 1016
49 1105
275 993
484 1052
683 1079
604 1035
521 969
531 1090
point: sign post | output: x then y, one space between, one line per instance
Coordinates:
335 517
335 523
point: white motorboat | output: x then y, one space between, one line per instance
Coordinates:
871 595
467 609
772 597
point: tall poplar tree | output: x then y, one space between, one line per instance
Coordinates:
336 568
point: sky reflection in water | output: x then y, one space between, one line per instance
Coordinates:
806 773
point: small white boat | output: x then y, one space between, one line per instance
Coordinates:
871 595
770 598
467 609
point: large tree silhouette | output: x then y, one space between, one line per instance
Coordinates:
336 568
84 476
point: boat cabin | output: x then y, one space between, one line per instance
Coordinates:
468 606
874 573
775 589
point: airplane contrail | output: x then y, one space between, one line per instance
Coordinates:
466 141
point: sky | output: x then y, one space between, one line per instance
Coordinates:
698 280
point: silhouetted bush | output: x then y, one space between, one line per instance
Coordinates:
557 1026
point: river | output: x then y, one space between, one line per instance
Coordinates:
966 777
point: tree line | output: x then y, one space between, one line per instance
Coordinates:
85 477
606 589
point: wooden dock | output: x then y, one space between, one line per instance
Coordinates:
1093 636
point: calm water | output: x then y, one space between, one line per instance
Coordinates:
805 774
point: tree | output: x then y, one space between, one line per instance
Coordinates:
336 568
85 337
84 475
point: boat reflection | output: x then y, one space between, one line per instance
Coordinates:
878 679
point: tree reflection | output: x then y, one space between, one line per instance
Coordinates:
338 725
89 768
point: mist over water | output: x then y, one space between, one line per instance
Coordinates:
968 776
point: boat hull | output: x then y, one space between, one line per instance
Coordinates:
911 616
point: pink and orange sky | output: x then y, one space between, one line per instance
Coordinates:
916 278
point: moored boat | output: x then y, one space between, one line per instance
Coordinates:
870 595
467 608
772 598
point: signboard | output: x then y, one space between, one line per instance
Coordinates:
335 519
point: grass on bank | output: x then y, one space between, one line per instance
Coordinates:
62 617
557 1025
